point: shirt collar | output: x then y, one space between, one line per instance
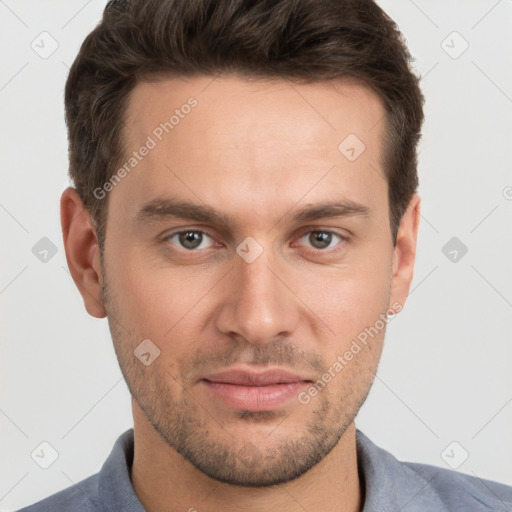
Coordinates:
115 487
388 484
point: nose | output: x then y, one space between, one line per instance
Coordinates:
258 306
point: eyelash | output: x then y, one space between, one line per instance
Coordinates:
343 239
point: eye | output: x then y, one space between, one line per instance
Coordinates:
322 239
190 239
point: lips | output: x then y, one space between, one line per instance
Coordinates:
247 378
254 391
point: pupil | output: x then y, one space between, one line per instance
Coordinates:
190 239
320 239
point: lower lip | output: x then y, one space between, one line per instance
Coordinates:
255 398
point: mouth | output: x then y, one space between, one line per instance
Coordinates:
255 391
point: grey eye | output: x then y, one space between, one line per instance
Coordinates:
320 239
190 239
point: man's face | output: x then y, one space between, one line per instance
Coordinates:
256 154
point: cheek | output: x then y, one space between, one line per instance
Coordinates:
166 304
349 298
149 300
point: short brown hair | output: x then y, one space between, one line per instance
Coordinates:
300 40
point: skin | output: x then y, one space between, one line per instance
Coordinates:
257 151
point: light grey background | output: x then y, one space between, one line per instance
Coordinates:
446 370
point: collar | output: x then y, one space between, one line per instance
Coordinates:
388 484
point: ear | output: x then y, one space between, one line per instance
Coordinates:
404 254
82 251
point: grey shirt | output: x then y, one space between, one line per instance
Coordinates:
389 486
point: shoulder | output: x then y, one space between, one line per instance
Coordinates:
108 490
82 496
456 489
391 485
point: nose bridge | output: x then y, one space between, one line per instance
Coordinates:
259 306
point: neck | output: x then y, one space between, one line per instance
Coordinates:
164 481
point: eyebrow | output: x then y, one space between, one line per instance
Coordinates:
161 209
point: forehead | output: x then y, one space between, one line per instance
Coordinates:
229 102
260 139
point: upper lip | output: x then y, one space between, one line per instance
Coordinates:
253 378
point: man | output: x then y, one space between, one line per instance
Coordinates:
244 211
